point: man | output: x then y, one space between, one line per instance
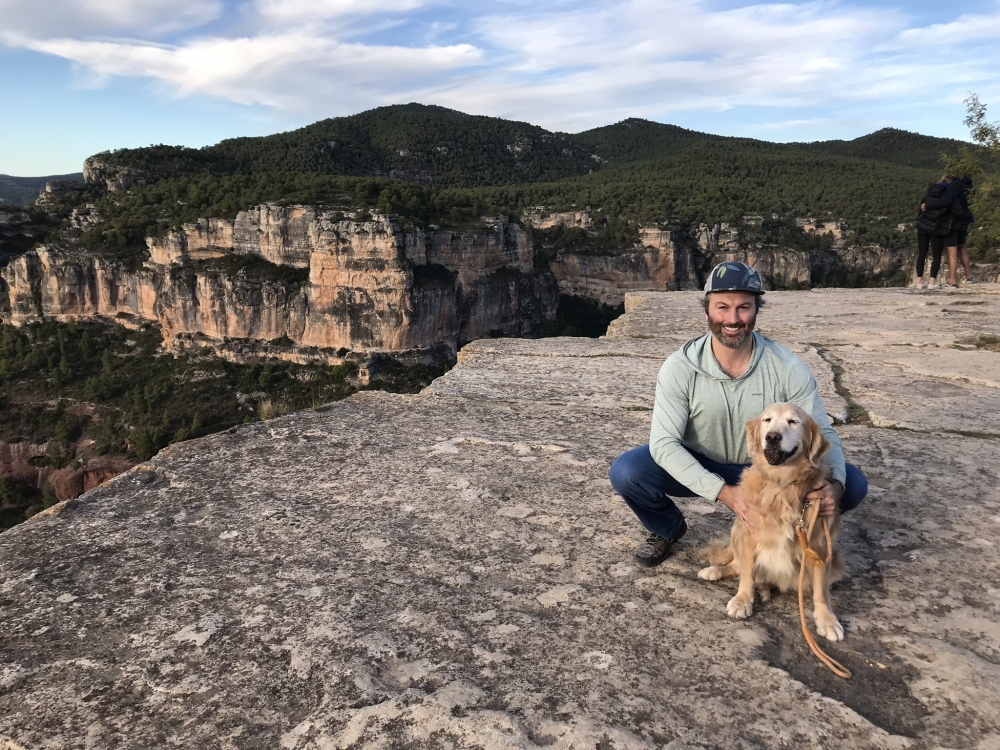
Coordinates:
706 392
955 243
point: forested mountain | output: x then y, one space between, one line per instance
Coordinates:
634 170
430 164
893 146
435 165
434 145
637 140
711 181
22 191
412 142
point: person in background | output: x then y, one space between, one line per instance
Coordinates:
955 242
934 224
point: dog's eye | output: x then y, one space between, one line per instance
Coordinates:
766 420
793 421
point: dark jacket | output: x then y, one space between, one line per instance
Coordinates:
937 218
960 206
940 195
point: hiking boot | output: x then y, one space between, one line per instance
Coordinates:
972 280
656 548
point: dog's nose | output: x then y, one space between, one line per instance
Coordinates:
773 437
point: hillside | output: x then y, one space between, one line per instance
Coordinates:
631 172
893 146
411 142
22 191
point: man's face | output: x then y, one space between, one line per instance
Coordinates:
731 317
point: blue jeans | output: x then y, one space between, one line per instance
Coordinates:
645 487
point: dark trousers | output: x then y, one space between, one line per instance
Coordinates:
646 487
937 246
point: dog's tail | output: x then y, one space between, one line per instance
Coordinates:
718 553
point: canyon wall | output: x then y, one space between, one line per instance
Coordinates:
331 282
670 260
656 263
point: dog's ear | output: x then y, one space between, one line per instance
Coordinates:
753 436
817 444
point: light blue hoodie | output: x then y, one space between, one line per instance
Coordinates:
700 408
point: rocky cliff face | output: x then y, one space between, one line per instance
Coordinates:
364 285
98 171
665 260
655 263
786 268
780 266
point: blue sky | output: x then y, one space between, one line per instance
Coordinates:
82 76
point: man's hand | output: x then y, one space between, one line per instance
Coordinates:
828 494
923 206
734 499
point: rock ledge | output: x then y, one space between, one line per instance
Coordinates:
453 569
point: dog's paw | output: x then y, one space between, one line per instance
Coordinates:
711 573
764 592
829 627
739 608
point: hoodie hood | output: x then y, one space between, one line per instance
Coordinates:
697 353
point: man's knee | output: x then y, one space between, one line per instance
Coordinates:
624 470
620 474
855 488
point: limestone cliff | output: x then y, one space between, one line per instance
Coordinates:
667 259
98 170
785 267
655 263
327 280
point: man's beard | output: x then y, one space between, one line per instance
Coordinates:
732 340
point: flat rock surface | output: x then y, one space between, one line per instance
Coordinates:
453 569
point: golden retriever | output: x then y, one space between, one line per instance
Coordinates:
785 447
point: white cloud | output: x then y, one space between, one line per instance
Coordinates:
285 70
311 10
85 17
964 29
567 65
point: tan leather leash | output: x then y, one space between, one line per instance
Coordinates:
804 533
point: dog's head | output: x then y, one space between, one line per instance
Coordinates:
784 434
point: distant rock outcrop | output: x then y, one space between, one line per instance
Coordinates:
656 263
98 170
668 259
329 281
